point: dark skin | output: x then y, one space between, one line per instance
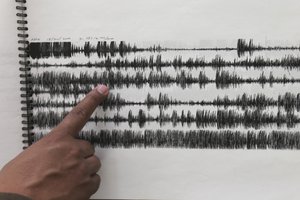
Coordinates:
59 166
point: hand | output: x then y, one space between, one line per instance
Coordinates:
59 166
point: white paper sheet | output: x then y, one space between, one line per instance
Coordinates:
183 173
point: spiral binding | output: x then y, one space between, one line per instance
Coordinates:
26 89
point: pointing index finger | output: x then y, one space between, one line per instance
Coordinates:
80 114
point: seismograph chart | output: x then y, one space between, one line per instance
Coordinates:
243 96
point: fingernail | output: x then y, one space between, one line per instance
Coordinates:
102 89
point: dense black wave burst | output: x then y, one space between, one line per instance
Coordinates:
56 82
288 101
195 139
288 62
202 118
243 47
67 49
50 49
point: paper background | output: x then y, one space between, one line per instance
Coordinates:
167 173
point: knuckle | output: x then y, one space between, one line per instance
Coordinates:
83 168
94 98
97 162
96 183
72 165
86 144
79 112
75 151
98 179
87 147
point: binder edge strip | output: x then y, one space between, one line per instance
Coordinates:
25 74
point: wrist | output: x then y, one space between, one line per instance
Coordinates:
9 191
